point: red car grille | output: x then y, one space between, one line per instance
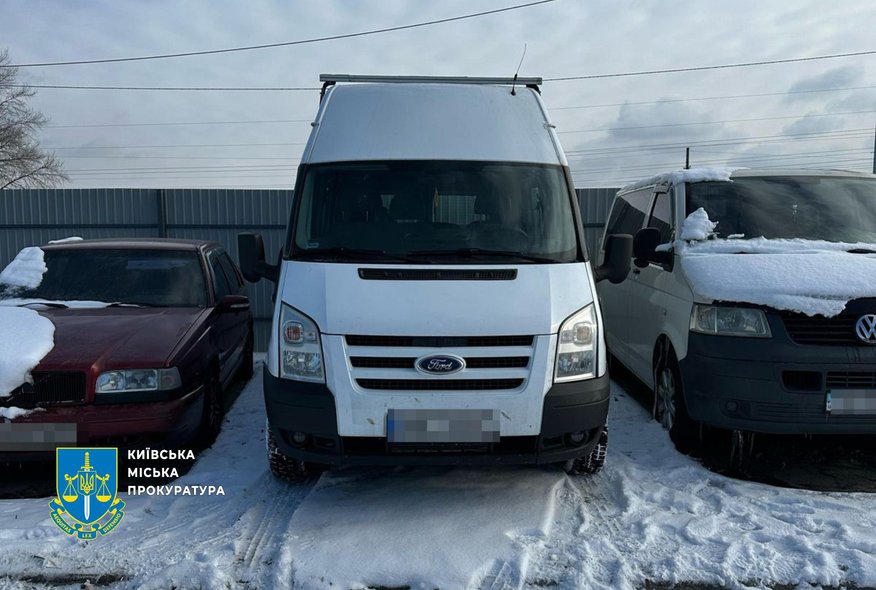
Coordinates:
49 388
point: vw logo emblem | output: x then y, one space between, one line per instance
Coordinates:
865 328
440 364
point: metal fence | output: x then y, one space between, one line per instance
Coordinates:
34 216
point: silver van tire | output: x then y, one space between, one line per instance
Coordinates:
670 409
592 463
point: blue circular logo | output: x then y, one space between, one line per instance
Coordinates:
440 364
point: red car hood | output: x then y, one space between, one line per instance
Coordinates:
117 337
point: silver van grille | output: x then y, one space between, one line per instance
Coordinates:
388 363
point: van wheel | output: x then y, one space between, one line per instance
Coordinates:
211 416
669 407
592 463
284 466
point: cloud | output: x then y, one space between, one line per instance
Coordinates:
835 78
813 124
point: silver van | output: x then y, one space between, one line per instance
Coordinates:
752 304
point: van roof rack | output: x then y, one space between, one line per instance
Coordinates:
333 78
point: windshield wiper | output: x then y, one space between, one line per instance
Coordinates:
861 251
472 252
353 253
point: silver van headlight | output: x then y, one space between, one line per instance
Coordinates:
576 346
300 347
729 321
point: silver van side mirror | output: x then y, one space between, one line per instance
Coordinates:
616 264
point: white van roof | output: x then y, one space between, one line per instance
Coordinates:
432 121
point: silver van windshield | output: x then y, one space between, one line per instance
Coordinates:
835 209
441 211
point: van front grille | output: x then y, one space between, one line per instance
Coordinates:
389 363
851 380
822 331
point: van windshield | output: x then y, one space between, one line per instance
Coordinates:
834 209
443 211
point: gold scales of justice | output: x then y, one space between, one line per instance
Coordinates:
83 483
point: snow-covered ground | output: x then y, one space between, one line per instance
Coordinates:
652 516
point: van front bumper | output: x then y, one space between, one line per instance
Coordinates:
773 385
309 408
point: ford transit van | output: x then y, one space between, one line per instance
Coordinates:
752 304
435 303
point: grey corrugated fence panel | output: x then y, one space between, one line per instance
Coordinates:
595 204
35 216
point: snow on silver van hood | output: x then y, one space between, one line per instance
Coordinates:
806 276
341 302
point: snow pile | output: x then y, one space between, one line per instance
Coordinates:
697 226
66 240
814 278
26 270
679 176
429 528
25 338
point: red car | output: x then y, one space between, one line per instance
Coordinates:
147 365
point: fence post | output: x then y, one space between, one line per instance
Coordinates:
162 213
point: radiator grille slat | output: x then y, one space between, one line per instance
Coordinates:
439 384
438 341
822 331
48 389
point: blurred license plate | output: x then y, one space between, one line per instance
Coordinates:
25 436
442 426
851 401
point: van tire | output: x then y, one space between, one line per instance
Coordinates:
283 466
592 463
670 409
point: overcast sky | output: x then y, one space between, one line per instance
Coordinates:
614 130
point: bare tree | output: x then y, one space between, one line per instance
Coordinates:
22 162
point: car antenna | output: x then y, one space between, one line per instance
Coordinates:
514 83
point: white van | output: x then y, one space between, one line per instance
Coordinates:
435 302
752 307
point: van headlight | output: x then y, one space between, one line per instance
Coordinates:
729 321
300 349
576 346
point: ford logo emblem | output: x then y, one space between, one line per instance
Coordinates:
440 364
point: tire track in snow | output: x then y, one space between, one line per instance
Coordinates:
261 541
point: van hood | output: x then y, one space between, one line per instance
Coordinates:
810 277
341 302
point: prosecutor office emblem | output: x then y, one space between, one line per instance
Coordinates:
86 481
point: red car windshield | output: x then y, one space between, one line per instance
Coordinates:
159 278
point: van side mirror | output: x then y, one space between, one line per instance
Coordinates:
645 248
616 264
251 258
